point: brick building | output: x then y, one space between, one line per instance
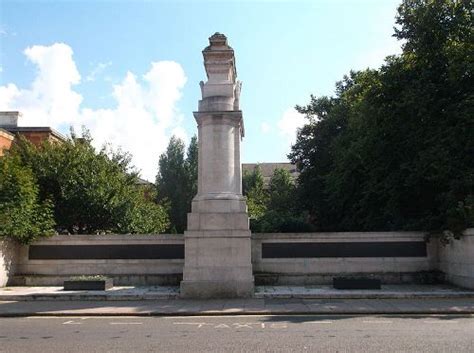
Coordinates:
9 130
6 140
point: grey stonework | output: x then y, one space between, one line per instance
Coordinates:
217 242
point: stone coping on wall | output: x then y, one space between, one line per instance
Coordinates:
341 236
110 238
323 236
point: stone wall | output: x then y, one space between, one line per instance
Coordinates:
278 258
129 259
456 260
8 257
315 258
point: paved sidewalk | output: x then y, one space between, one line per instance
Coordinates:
116 293
120 293
268 300
180 307
398 291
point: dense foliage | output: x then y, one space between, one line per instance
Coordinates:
176 181
22 215
273 208
394 148
91 192
255 193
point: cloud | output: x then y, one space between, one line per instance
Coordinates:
141 121
289 123
265 127
145 115
51 99
97 70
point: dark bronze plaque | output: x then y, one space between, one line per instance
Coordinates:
352 249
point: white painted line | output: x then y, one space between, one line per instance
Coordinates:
197 324
126 323
235 325
222 316
71 322
243 325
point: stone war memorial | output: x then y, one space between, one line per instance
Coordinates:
218 256
217 242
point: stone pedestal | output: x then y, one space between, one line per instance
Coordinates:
217 264
217 241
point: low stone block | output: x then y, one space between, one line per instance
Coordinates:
88 284
216 289
356 283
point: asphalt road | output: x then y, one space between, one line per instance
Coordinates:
239 334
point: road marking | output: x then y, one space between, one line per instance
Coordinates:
126 323
236 325
244 325
221 316
319 322
71 322
198 324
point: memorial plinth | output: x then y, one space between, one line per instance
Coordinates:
217 241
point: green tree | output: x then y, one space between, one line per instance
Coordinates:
394 148
176 181
281 211
281 190
92 192
191 165
313 152
22 215
253 190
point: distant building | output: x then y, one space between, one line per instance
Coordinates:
267 169
9 130
144 183
147 188
6 140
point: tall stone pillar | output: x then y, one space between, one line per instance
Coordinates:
217 241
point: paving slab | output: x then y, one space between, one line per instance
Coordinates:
386 292
122 293
272 300
117 293
178 307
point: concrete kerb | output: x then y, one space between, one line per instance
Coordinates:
104 297
458 295
100 305
65 313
